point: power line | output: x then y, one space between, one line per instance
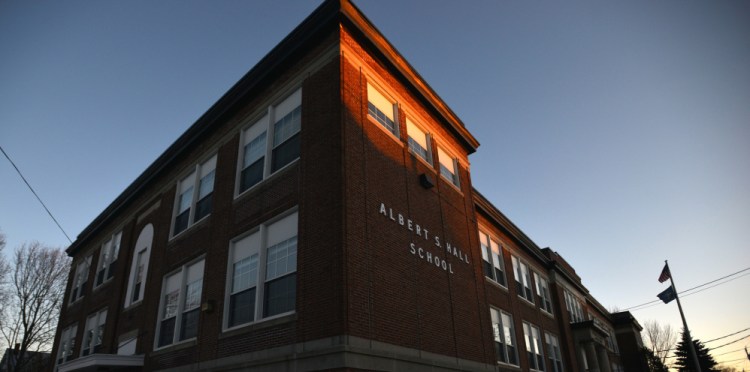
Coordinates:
728 352
729 343
719 338
35 194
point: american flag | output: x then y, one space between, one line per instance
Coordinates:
664 274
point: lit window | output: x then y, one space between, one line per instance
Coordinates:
108 258
67 344
542 292
80 279
180 305
259 158
555 357
533 346
504 335
492 257
523 280
92 337
262 280
191 206
139 266
448 166
419 141
381 110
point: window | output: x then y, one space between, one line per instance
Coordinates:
139 266
492 257
523 280
419 141
574 307
258 159
263 278
67 344
553 349
448 166
180 305
191 206
92 337
80 279
382 110
108 258
504 335
542 292
533 346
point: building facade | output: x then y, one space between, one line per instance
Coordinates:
321 216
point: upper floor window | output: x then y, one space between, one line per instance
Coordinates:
492 259
92 337
448 166
542 292
108 258
139 266
67 344
503 332
80 279
553 349
259 158
192 206
262 279
419 141
523 279
382 110
574 308
180 305
534 346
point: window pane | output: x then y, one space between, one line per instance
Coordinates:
282 258
203 207
255 149
206 185
242 307
181 222
166 331
280 295
252 174
287 126
285 153
186 198
170 304
245 273
189 325
193 294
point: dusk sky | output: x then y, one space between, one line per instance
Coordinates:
616 133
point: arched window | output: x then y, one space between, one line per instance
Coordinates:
139 267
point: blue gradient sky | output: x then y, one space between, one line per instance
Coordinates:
617 133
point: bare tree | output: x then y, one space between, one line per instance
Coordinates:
33 296
661 338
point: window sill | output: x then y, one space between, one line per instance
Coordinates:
547 313
526 301
133 305
175 346
260 324
451 184
422 160
271 176
385 130
508 365
189 228
493 283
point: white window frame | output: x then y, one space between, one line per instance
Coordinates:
504 334
419 141
554 353
492 258
265 126
543 293
573 305
67 343
379 103
107 259
522 276
80 280
93 334
139 266
534 349
258 242
184 280
192 182
448 163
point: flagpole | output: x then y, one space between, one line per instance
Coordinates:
691 348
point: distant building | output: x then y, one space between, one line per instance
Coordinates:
32 361
321 216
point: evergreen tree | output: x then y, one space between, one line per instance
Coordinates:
684 361
653 361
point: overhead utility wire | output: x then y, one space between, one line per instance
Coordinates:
690 289
718 338
35 194
659 302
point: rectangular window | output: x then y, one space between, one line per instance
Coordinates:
92 337
382 110
180 305
504 335
191 207
533 346
80 279
140 263
67 344
573 306
523 280
108 258
259 157
553 349
448 166
419 141
492 259
542 292
262 281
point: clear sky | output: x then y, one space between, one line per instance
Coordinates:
616 133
